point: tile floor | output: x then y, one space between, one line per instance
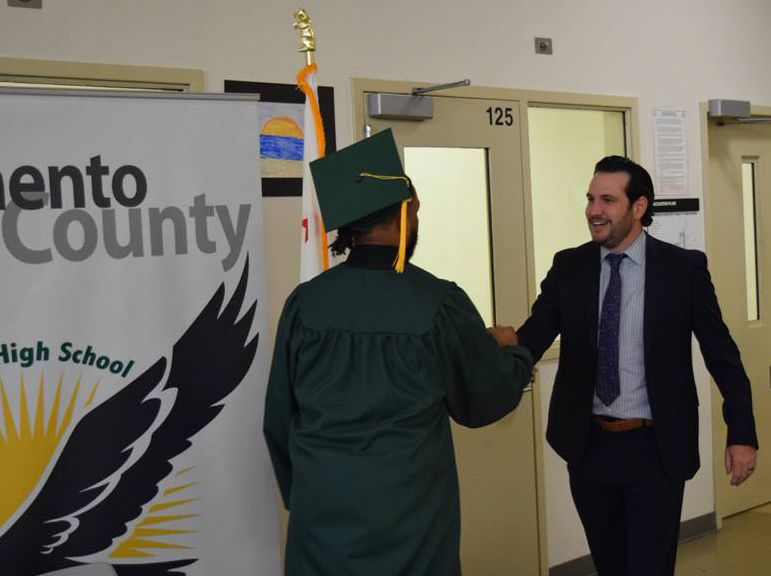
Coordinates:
741 548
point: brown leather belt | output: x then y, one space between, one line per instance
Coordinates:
621 425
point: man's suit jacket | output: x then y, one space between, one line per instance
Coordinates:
679 300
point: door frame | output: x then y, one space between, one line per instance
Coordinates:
710 225
100 74
524 99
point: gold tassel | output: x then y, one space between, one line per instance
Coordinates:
401 258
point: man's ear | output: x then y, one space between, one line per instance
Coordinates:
639 207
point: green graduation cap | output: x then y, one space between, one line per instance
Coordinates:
359 180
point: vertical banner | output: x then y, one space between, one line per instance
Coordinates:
133 344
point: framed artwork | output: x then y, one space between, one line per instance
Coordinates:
282 109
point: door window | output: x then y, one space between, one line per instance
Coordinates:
454 237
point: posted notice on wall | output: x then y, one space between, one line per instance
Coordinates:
680 229
670 152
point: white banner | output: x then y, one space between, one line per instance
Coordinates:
133 340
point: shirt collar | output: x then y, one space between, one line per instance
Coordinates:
635 251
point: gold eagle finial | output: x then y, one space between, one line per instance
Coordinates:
304 26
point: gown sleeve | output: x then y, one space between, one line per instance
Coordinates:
486 381
280 404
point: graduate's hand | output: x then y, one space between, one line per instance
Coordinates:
504 335
740 461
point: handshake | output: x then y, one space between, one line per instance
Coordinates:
504 335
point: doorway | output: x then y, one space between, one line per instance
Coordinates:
492 191
467 169
738 235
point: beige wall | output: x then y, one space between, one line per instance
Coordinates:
668 54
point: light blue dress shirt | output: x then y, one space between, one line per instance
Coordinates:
633 400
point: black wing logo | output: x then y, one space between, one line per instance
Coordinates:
98 484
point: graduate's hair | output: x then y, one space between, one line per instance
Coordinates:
343 242
640 183
346 235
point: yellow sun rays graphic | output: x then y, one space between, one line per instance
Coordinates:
26 449
144 539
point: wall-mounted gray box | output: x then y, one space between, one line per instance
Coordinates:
544 46
729 108
400 106
25 3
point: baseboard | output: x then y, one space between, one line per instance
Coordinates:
582 566
697 527
689 530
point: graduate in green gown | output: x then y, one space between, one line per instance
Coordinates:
371 359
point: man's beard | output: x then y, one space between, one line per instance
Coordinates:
412 242
619 231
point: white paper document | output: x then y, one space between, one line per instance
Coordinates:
670 152
681 229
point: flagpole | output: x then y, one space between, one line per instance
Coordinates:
306 81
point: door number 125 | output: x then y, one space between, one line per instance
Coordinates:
500 116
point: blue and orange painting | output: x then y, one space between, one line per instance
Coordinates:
281 140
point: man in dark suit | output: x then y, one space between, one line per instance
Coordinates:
623 411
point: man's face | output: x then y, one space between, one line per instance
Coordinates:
610 215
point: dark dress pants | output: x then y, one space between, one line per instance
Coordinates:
628 505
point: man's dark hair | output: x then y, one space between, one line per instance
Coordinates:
640 183
343 242
346 235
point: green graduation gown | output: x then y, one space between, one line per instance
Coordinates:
368 364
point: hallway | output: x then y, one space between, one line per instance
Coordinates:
741 548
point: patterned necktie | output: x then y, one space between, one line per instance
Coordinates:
608 385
